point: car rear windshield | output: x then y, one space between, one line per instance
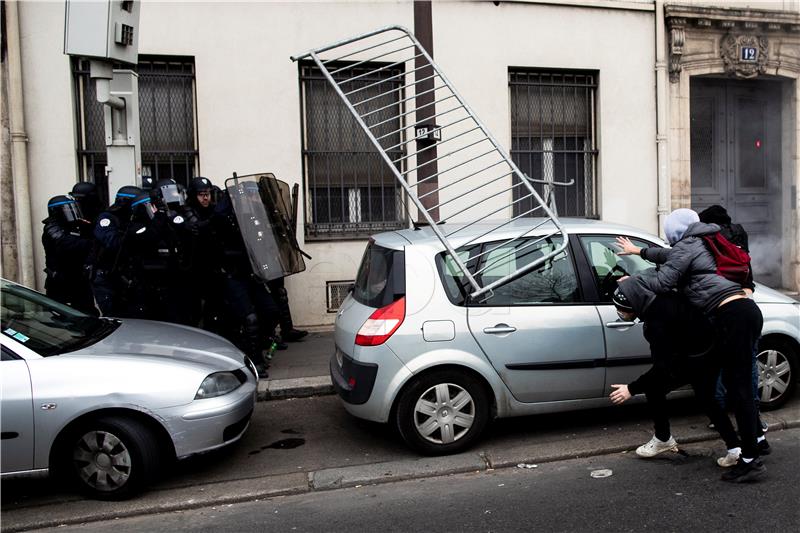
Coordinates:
46 326
381 277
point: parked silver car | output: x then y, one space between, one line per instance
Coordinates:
106 402
412 349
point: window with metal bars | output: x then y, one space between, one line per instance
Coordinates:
166 121
553 136
350 193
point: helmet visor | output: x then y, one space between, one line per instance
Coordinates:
144 209
172 194
70 211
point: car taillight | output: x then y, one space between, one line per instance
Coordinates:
382 324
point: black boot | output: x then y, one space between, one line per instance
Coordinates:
292 335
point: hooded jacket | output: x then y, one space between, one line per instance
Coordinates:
689 267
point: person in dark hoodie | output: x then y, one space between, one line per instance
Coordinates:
735 319
677 360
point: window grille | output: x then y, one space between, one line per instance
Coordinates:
350 193
166 121
553 136
337 291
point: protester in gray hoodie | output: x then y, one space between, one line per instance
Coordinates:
736 320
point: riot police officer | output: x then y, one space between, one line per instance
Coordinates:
206 297
158 262
67 243
246 298
109 233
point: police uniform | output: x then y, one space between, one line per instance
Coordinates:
67 243
109 242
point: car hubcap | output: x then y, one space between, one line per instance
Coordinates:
102 460
774 375
444 413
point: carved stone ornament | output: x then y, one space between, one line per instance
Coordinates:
744 56
677 39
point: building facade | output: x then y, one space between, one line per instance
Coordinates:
644 105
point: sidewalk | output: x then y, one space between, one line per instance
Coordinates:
301 370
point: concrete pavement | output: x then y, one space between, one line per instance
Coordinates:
301 370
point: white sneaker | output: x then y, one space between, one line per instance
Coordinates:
730 459
655 447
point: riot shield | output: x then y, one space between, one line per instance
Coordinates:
262 206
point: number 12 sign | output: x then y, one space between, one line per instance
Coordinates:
748 54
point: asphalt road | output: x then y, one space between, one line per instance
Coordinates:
312 445
674 493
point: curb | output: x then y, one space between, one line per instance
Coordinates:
282 389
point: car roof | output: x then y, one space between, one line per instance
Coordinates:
510 229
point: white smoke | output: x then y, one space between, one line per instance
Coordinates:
766 253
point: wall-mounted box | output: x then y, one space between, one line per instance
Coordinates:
102 29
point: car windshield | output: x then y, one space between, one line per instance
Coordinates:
46 326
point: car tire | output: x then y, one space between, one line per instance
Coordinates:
442 412
777 362
110 458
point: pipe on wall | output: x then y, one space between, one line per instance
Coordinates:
662 126
19 149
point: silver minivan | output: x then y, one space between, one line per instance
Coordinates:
414 350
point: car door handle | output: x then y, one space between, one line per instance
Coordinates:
500 328
620 324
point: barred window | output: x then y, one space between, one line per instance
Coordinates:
350 192
166 121
553 136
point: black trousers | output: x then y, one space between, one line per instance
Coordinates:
682 346
281 298
737 327
244 296
700 372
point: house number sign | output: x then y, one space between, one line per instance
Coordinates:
748 54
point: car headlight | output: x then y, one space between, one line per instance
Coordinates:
220 383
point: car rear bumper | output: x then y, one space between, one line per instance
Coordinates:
353 381
372 394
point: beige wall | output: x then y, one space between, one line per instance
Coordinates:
248 101
47 92
553 36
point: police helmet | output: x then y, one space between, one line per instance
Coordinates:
144 210
169 192
86 194
126 194
84 189
64 209
200 184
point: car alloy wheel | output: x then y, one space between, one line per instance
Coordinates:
776 364
103 461
444 413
